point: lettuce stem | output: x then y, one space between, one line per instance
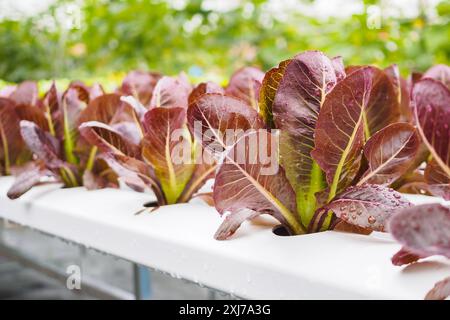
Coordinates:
91 159
5 151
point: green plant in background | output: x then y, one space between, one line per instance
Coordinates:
111 36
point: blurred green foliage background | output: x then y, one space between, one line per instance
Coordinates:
95 39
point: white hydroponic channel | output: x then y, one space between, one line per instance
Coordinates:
254 263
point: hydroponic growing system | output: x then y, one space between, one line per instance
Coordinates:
312 180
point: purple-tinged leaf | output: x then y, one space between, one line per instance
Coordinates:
32 175
383 105
367 206
350 69
390 152
203 88
423 230
86 93
52 99
406 112
241 183
431 101
339 68
42 144
268 91
25 93
440 291
108 139
11 143
129 130
212 117
82 90
137 106
245 84
33 114
394 75
171 92
232 222
413 78
402 90
339 133
403 257
100 176
167 146
109 109
439 72
306 82
140 84
130 177
96 91
343 226
438 182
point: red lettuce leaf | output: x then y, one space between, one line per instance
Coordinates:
140 84
439 72
245 84
339 68
390 153
108 139
204 87
86 93
171 92
339 133
423 230
440 291
135 173
232 222
383 105
42 144
367 206
11 143
162 150
403 256
402 90
268 90
211 115
307 80
109 109
438 182
25 93
100 176
431 101
240 185
33 114
30 176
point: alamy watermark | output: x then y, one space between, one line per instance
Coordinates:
73 281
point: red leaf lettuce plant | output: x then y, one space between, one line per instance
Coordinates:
340 146
430 101
156 150
48 127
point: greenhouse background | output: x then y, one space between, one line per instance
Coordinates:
209 39
101 41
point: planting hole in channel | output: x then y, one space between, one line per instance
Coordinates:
281 231
150 204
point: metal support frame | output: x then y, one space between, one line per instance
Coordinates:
89 285
142 282
141 275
